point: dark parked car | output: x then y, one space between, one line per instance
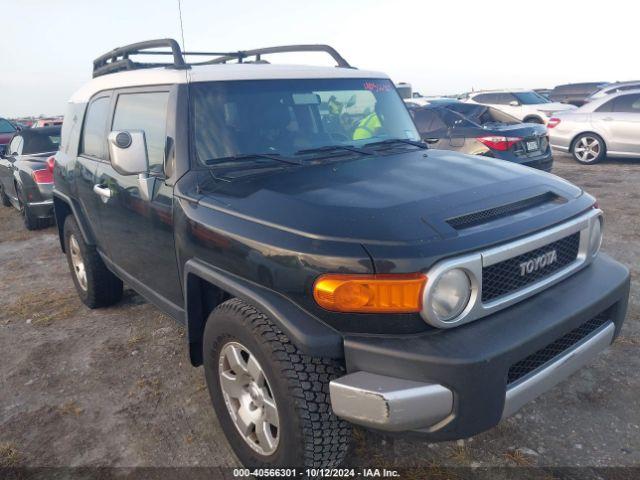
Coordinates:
482 130
328 268
575 93
7 130
26 174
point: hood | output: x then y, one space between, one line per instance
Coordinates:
555 107
386 200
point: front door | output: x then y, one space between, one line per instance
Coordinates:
139 231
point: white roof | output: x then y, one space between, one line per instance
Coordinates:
209 73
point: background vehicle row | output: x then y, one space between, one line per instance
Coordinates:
26 174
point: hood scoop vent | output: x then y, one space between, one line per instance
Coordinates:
484 216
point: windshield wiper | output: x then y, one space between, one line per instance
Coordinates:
244 157
392 141
332 148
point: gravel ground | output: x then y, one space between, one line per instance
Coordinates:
114 387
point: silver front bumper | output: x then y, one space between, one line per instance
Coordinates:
570 361
394 404
388 403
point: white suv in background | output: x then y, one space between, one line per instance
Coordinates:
526 105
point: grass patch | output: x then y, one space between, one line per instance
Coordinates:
43 307
461 454
134 340
9 456
519 458
70 408
628 341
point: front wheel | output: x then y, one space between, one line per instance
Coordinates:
271 400
588 148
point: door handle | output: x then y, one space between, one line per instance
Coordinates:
607 119
103 191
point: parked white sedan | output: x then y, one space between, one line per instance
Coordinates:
609 126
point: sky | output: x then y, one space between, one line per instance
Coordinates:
440 47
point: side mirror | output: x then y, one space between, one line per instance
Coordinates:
128 150
514 103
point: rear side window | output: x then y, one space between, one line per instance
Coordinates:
428 121
605 107
494 98
627 103
94 142
42 142
146 112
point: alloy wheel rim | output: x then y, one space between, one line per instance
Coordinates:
77 262
249 398
587 149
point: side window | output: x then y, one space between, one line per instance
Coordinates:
16 145
504 98
146 112
494 98
605 107
428 121
484 98
627 103
94 142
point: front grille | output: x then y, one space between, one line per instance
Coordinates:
483 216
506 277
551 351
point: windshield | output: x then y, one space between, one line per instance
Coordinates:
6 127
530 98
284 117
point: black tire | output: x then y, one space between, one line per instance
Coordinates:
580 156
3 197
31 222
311 436
102 288
537 120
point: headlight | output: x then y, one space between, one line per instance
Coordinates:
450 294
595 237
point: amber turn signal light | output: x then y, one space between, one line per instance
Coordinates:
389 293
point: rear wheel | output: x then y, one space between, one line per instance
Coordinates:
95 284
537 120
588 148
271 400
31 221
3 197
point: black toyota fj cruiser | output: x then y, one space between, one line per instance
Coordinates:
328 267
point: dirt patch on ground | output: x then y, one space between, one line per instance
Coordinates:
114 387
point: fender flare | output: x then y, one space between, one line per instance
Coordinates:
308 333
60 199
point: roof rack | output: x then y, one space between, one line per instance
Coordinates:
118 59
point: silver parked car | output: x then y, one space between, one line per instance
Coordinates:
609 126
